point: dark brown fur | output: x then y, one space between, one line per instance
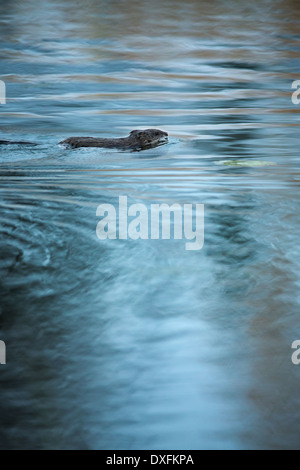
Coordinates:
137 140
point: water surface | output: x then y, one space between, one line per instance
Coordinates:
142 344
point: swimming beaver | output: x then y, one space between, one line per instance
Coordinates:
137 140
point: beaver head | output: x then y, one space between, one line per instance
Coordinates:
148 137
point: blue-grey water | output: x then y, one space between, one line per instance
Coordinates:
124 344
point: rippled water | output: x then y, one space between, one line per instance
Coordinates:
142 344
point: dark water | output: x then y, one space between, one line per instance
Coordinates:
142 344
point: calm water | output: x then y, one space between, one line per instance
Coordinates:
142 344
